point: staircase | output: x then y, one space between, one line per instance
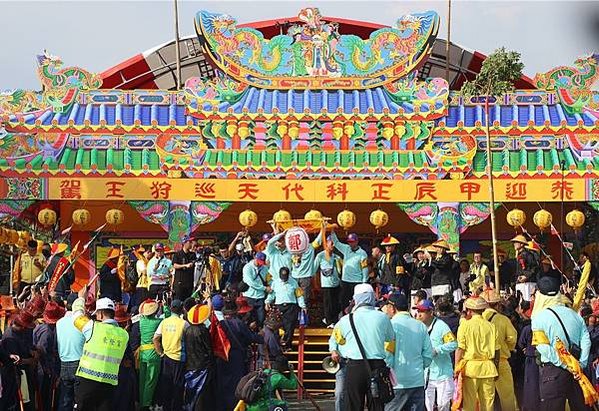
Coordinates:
310 346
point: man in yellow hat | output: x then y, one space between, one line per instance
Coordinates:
527 266
508 337
392 267
477 357
443 273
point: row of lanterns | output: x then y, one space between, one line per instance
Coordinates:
346 218
18 238
47 217
543 218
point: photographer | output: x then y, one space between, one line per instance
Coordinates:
238 258
159 271
184 265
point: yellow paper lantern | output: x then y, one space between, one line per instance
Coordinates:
81 217
248 218
13 236
281 216
46 217
542 219
379 218
346 219
516 217
575 219
313 215
24 235
115 216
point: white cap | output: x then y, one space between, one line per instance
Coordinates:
104 304
363 288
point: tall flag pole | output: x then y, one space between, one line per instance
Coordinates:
177 50
448 42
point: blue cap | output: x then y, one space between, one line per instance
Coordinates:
159 247
218 302
261 256
399 300
266 237
186 238
425 305
352 238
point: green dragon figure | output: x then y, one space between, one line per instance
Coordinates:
572 84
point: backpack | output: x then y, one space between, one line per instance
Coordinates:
250 386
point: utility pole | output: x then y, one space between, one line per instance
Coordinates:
448 42
177 50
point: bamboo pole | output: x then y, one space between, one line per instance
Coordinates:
448 42
491 193
177 50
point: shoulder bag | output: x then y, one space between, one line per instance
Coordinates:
574 349
380 382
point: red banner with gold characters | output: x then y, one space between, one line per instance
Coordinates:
316 191
59 270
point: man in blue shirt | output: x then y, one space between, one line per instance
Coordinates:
254 276
329 264
355 266
439 376
289 300
413 353
376 335
277 254
553 326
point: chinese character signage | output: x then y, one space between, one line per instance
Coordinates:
313 191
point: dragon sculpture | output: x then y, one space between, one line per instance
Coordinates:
60 86
573 84
214 91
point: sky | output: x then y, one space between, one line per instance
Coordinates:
96 35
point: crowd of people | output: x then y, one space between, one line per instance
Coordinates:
209 329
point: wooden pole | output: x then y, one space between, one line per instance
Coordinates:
448 42
177 50
491 194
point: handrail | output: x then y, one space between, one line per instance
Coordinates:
300 361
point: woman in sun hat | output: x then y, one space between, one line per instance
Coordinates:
149 360
200 363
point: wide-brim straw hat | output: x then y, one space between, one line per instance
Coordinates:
148 307
441 244
475 303
519 239
418 250
113 253
533 246
390 240
490 296
58 248
198 314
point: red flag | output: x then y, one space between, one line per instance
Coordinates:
553 230
220 343
59 270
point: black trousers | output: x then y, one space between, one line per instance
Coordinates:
330 298
157 290
93 396
171 384
357 386
182 291
556 386
347 293
289 313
